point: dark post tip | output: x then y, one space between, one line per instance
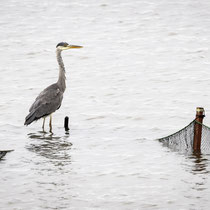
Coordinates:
4 152
66 123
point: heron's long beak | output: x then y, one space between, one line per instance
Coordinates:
73 46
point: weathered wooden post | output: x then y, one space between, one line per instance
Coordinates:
198 129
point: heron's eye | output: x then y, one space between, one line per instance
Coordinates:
65 45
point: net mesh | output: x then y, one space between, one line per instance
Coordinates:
183 139
205 140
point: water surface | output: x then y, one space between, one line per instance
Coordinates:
142 72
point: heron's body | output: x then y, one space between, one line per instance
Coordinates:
50 99
47 102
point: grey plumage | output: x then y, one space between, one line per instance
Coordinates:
50 99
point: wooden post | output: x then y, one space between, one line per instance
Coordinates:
66 123
4 152
198 129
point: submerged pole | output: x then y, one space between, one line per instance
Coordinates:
4 152
198 129
66 123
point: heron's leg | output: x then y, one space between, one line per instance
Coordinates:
43 124
50 124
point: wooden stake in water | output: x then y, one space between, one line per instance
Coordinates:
198 129
66 123
4 152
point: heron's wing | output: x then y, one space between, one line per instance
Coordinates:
48 101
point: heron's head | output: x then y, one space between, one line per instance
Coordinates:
65 46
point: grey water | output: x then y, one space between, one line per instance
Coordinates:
142 72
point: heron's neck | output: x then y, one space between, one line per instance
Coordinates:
62 78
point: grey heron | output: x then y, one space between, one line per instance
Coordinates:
49 100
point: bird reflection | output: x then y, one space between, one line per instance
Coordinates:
50 146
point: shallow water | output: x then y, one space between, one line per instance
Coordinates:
142 72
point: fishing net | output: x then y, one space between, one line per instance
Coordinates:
183 139
205 139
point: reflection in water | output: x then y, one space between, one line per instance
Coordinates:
50 146
199 160
199 168
200 165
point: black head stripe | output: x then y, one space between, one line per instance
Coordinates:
63 44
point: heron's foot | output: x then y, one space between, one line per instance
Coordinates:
51 129
51 134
